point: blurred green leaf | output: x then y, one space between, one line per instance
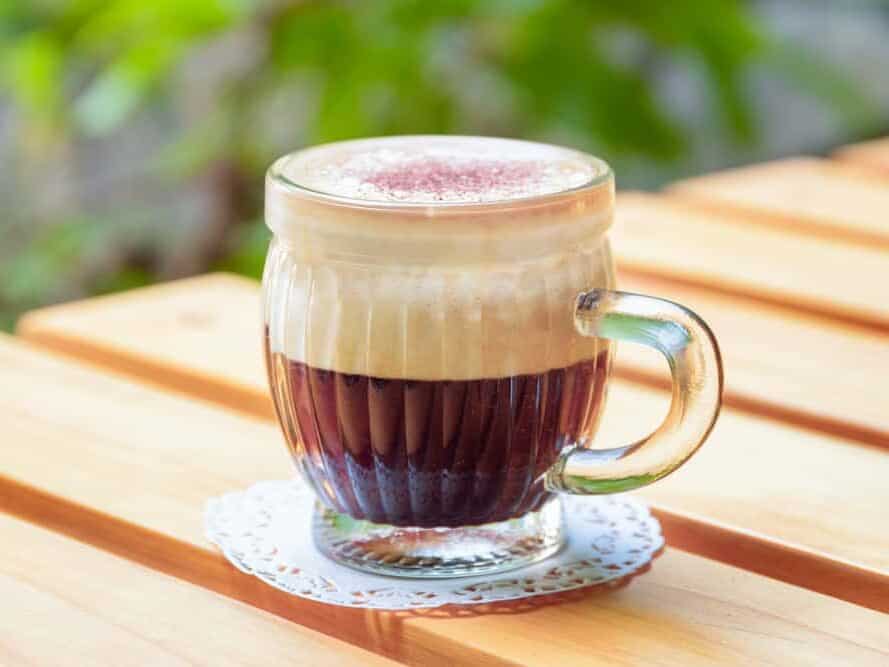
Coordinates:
41 270
236 82
249 247
33 73
123 24
119 281
196 150
123 86
812 75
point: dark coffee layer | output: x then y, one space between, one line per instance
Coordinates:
433 453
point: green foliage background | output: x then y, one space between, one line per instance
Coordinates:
234 83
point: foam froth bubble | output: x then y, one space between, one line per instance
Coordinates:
443 170
435 257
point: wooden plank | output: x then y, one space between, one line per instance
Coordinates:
804 194
773 354
812 501
790 366
872 154
665 236
128 468
70 604
164 337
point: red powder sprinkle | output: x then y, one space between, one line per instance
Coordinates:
442 178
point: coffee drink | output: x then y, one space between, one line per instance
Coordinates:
439 317
425 368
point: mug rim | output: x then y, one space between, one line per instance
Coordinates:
277 179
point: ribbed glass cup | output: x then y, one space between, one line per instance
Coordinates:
427 367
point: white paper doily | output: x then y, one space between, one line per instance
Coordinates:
266 531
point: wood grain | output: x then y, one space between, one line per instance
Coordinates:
128 467
805 194
666 237
776 357
811 501
814 373
162 336
868 154
66 603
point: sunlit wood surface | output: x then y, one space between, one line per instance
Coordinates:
65 603
121 415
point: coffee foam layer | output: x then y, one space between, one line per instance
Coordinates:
435 258
429 322
553 206
438 170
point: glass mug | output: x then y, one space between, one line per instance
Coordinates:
440 318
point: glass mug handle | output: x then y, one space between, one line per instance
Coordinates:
694 359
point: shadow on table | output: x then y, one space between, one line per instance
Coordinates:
380 631
386 631
528 604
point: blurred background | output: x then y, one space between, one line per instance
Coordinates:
134 133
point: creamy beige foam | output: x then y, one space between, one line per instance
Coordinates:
369 275
438 170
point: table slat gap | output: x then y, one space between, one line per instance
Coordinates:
134 479
805 195
69 603
207 568
664 237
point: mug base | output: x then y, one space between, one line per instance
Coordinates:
439 553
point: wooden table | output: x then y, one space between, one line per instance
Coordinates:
121 415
